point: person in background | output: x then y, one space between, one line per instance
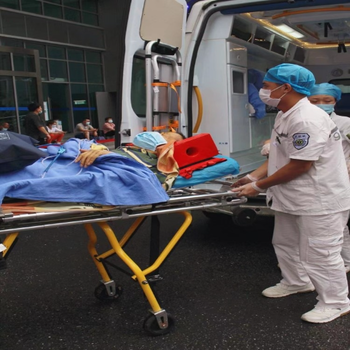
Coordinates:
84 130
108 128
308 187
55 133
325 96
4 126
34 124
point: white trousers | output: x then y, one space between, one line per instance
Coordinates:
345 252
308 249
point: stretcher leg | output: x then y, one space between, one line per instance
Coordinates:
140 276
160 321
107 290
93 253
169 247
8 242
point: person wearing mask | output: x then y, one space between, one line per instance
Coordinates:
325 96
4 126
310 199
84 130
108 128
34 124
55 133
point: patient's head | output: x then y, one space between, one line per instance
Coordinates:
171 136
152 139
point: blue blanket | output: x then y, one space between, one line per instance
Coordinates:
111 180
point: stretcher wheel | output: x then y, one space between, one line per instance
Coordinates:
245 217
101 293
151 326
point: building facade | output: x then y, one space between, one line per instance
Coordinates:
55 52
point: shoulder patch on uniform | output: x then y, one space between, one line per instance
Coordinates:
300 140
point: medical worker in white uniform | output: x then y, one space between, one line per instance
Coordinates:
325 96
308 187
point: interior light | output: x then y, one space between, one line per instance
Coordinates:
290 31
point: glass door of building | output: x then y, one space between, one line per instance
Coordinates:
20 84
56 97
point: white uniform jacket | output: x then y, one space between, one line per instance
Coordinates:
305 132
343 123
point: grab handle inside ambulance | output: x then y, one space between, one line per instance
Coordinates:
200 109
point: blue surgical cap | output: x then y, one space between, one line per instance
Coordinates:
149 140
326 89
299 78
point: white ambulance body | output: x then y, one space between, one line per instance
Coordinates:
192 71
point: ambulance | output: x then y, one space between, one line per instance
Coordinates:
197 68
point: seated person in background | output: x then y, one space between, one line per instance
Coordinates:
4 126
108 128
84 130
55 133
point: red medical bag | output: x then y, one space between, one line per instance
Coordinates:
195 153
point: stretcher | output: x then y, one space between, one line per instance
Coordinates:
17 216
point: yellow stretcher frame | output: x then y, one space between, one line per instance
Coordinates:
158 322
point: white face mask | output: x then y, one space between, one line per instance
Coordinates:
110 121
265 94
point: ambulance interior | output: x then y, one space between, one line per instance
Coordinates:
235 46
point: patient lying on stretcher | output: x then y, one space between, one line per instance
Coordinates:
125 176
153 149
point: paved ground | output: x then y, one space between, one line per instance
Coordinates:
212 285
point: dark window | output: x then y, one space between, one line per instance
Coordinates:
56 52
72 15
299 54
5 61
12 4
77 72
72 3
89 5
94 72
58 71
13 23
24 63
40 48
60 35
53 11
138 89
75 55
37 27
43 70
93 57
31 6
237 82
92 37
11 42
90 18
